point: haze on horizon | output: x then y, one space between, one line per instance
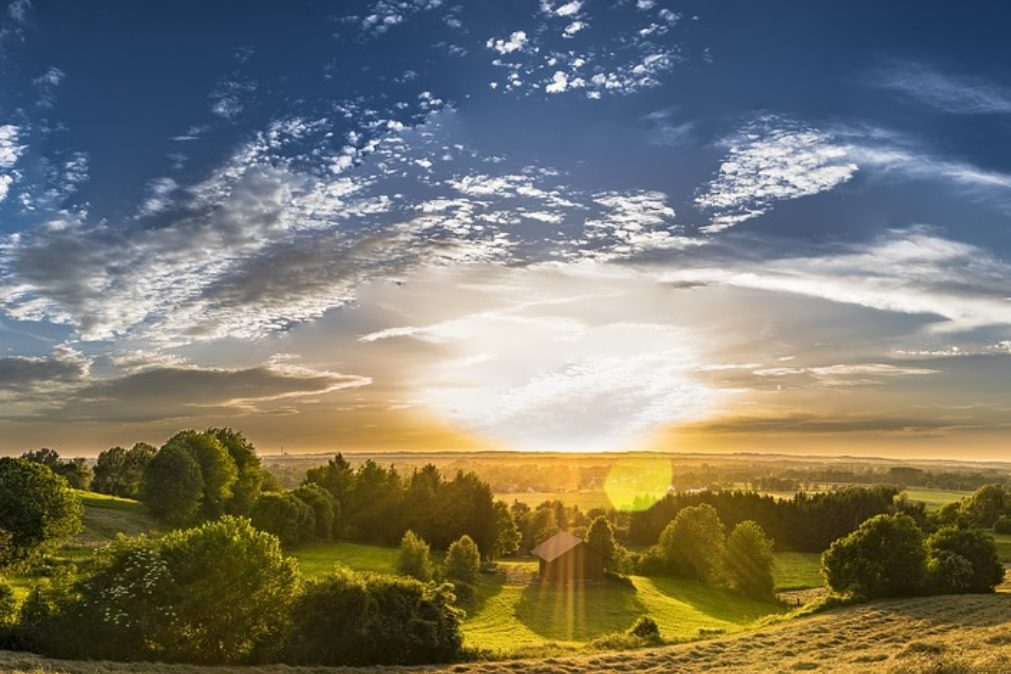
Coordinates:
427 225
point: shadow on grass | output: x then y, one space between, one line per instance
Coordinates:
578 612
714 602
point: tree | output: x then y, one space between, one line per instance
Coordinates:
748 561
600 537
463 560
509 536
323 507
217 469
541 525
336 477
693 543
347 618
173 487
884 557
213 594
36 507
982 508
249 471
963 561
285 516
76 472
414 558
120 472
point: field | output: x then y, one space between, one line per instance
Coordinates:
512 613
932 635
935 498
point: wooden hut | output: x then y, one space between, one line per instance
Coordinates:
565 558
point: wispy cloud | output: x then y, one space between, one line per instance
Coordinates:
945 91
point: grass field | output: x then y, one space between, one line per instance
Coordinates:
797 571
513 613
930 635
935 498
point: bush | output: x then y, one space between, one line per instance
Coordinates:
36 507
414 559
1002 525
645 628
884 557
284 515
353 619
214 594
963 561
748 560
463 560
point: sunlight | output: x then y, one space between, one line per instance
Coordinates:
637 483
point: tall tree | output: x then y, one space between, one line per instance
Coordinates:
173 487
36 507
249 471
218 471
748 561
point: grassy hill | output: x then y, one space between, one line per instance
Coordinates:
933 635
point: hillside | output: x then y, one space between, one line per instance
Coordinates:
915 636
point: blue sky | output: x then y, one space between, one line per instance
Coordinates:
529 225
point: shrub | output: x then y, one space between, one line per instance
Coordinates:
963 560
463 560
284 515
884 557
414 559
36 507
214 594
352 619
748 560
645 628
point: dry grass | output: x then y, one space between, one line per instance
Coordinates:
934 635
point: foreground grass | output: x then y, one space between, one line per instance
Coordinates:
931 635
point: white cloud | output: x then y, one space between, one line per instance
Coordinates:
772 160
515 42
957 286
559 83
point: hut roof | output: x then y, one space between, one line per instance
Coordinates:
556 546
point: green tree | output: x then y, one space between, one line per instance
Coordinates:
414 558
76 472
173 487
217 469
285 516
508 533
748 561
120 472
354 619
693 543
600 537
463 560
323 507
541 525
884 557
37 507
249 471
963 561
214 594
982 508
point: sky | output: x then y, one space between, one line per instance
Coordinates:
525 225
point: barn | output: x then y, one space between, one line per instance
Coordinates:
565 558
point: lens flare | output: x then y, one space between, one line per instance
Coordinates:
637 483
